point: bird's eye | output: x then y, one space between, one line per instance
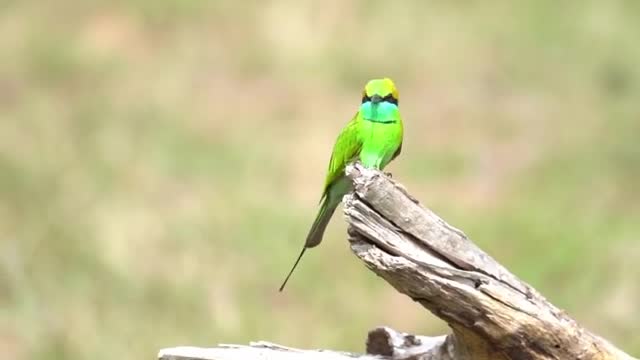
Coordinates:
390 99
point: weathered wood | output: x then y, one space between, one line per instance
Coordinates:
258 350
382 343
492 314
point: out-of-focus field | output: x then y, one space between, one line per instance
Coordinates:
161 162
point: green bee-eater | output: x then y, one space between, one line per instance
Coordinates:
373 137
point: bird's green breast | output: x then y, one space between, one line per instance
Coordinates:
381 137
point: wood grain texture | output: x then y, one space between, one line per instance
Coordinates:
382 343
492 314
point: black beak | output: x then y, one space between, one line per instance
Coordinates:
376 99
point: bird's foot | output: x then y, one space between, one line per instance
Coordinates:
389 175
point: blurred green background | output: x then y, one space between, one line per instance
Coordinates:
161 163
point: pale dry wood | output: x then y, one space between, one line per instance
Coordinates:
492 313
259 350
382 344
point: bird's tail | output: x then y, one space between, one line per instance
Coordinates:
293 268
314 238
317 230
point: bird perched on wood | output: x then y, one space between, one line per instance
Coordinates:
373 137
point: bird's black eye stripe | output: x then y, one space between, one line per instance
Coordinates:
390 99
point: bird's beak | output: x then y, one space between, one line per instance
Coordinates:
376 99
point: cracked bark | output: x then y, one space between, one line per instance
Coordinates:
492 314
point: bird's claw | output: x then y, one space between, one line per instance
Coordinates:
389 175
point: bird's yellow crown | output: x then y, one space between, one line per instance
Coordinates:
384 88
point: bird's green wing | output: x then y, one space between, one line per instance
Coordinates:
395 155
345 150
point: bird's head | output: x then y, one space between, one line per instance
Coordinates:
380 101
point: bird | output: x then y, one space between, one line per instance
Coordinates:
373 137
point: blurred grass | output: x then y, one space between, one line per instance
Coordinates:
160 163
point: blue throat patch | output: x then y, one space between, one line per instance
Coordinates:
382 112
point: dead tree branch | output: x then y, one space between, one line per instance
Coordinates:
382 343
492 314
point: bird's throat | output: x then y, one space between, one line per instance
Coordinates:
382 112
